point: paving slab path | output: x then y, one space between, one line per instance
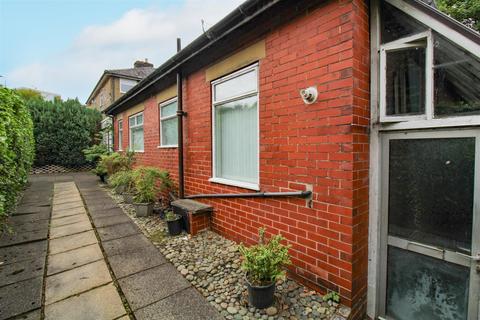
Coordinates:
76 255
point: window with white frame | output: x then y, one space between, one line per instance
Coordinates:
235 129
135 124
107 133
126 84
120 135
168 123
423 75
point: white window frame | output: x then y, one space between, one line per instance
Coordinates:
120 134
160 106
215 103
125 81
134 127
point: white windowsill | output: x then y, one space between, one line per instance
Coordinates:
167 147
137 151
240 184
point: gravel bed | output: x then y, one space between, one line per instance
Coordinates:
212 264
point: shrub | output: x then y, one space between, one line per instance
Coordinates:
16 149
95 152
116 162
122 178
62 129
149 182
264 262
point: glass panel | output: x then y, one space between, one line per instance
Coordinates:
395 24
405 87
120 125
126 84
234 87
431 184
236 140
169 109
169 132
421 287
137 139
131 121
457 79
139 119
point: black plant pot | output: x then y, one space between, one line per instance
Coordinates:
261 297
175 226
102 177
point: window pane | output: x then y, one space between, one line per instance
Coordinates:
139 119
169 109
126 84
137 139
431 191
236 140
457 79
405 87
236 86
131 121
421 287
120 125
169 132
395 24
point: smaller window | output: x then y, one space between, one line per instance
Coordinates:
135 124
169 123
126 84
120 135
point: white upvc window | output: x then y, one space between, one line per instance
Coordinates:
168 124
126 84
120 135
236 129
135 124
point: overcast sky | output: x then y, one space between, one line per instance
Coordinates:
63 46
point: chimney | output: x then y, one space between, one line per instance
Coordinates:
141 64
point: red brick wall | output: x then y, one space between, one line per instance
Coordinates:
323 146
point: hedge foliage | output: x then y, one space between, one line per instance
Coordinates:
16 148
62 129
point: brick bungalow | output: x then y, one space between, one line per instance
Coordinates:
381 75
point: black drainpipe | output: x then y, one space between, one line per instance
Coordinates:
301 194
180 114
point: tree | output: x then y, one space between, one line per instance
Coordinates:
28 94
465 11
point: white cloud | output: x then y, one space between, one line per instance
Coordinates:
140 33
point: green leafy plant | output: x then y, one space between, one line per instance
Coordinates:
16 150
122 179
149 182
332 296
265 261
170 216
116 162
94 153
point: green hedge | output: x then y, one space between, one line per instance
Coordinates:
62 129
16 148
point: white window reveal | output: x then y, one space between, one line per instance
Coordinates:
135 124
120 135
126 84
424 75
169 123
236 129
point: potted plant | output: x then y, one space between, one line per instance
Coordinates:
100 171
122 181
148 183
174 223
264 264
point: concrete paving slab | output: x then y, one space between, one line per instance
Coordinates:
66 206
19 271
105 199
117 231
101 206
111 220
22 237
126 244
32 315
20 297
29 217
64 200
128 263
30 226
68 212
74 258
68 283
184 305
72 242
28 209
106 212
23 252
62 231
63 221
87 306
149 286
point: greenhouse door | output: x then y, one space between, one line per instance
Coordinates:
430 225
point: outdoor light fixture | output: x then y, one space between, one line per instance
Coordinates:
309 95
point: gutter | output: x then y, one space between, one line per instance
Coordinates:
200 44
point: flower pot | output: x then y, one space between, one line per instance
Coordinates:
103 177
260 297
159 211
143 209
175 226
128 198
